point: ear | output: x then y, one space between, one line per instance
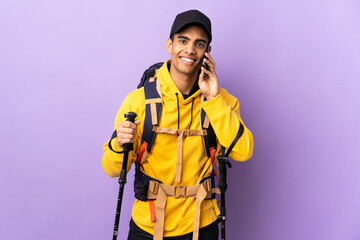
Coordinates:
169 45
209 49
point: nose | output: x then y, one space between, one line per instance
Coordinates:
190 49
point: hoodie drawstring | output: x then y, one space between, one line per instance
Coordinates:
177 97
178 109
192 105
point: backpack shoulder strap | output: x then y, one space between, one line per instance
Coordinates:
153 104
210 137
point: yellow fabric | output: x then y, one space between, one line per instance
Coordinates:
180 133
224 115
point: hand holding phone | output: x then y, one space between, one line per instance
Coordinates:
208 83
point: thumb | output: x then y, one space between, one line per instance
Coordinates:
137 122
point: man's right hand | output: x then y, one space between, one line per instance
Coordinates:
126 132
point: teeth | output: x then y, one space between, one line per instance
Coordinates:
187 60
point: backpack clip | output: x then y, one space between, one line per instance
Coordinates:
180 191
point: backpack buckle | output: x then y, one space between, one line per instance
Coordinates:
207 185
153 187
179 191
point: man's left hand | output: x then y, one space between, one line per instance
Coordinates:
209 86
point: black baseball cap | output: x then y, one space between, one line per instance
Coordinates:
191 17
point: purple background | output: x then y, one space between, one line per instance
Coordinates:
66 66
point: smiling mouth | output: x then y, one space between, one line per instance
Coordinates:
187 60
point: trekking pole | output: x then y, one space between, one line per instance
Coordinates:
130 116
223 163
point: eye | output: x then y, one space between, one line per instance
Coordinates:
182 41
200 45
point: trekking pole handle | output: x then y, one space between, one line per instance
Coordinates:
130 116
223 162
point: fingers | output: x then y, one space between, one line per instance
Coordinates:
125 138
203 70
210 72
210 61
211 68
126 132
208 55
127 124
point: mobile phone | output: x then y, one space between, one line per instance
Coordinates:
205 64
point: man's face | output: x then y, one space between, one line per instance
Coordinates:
187 50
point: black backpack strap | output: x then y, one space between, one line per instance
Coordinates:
153 102
210 137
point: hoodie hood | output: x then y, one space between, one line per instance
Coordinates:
169 88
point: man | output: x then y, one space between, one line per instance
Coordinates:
177 201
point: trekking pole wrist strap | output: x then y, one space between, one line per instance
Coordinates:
114 135
238 135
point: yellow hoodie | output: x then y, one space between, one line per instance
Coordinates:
223 112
